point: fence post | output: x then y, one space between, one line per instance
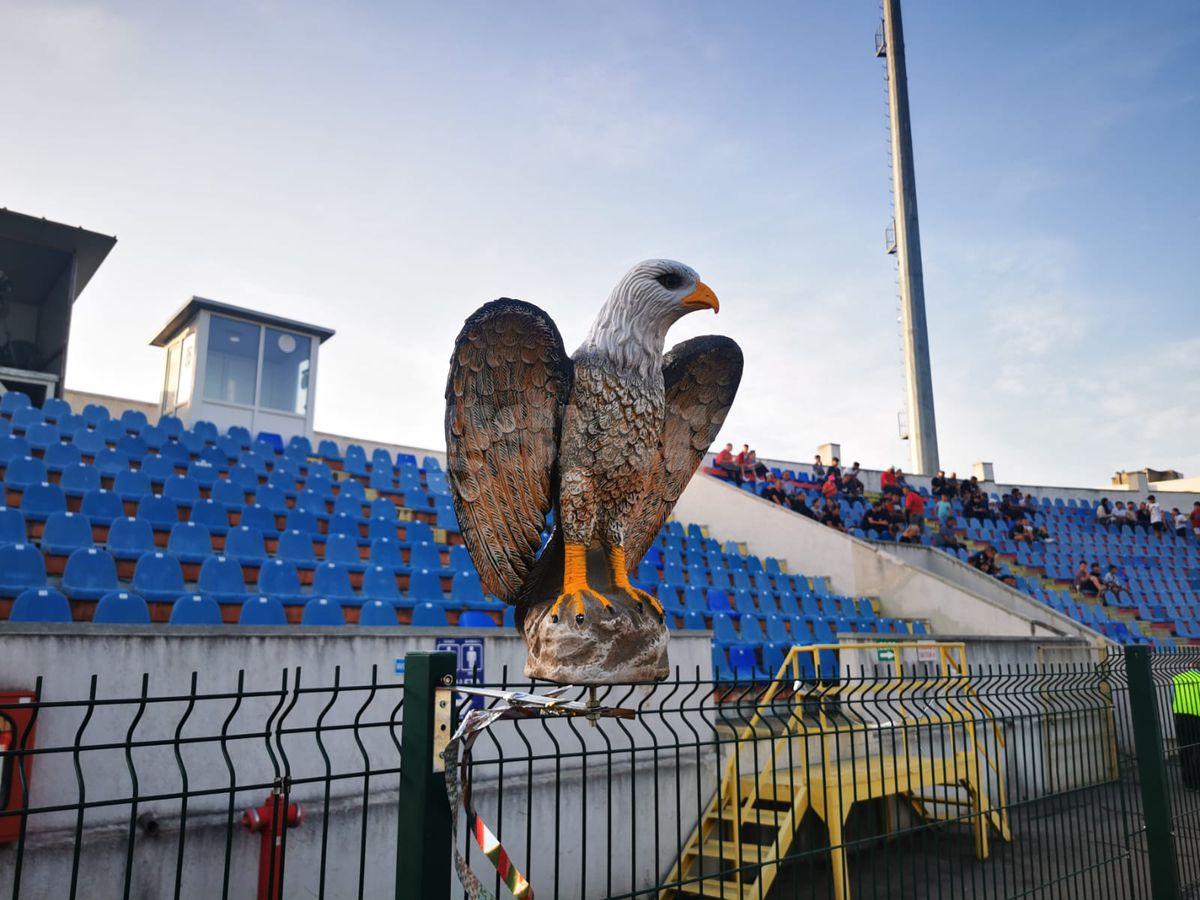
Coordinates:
1152 773
423 861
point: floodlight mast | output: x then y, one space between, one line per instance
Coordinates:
922 429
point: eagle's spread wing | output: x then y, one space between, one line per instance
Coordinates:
509 382
701 377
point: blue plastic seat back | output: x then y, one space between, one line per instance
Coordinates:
383 508
302 520
386 552
723 630
322 611
121 608
13 401
430 615
342 548
89 574
13 448
466 588
743 663
40 605
259 518
129 484
228 492
160 512
42 436
158 576
332 580
66 532
40 500
272 497
190 541
342 524
62 456
417 531
25 470
157 467
278 578
54 408
425 586
424 556
379 583
718 601
262 610
183 489
375 613
196 609
12 526
475 619
110 461
212 514
129 537
296 546
348 505
222 577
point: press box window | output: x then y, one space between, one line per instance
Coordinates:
231 368
286 361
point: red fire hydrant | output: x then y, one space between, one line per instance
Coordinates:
269 821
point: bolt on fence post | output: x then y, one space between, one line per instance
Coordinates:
1152 773
423 857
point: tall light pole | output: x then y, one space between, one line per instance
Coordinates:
922 429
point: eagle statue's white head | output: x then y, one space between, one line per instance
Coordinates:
631 328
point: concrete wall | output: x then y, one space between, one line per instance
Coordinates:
952 596
67 659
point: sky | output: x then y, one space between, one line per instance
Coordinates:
384 168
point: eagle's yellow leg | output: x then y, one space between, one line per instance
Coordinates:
620 580
575 583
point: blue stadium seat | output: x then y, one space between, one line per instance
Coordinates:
171 426
724 634
130 538
375 613
157 576
342 524
302 520
381 480
245 544
424 555
205 474
467 592
25 418
296 546
110 461
386 552
460 559
383 508
212 515
272 440
121 608
349 506
430 615
157 468
24 471
11 401
322 611
160 512
131 485
40 605
101 507
40 500
190 542
132 446
196 609
239 434
12 527
245 476
62 456
425 586
182 489
206 431
744 664
417 531
95 414
333 580
43 436
154 437
228 492
278 578
259 518
221 578
90 573
54 408
13 448
343 549
475 619
720 666
379 583
90 443
66 532
262 610
78 480
380 528
134 420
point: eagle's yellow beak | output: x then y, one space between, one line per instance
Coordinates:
701 298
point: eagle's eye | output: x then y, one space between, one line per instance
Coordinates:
670 280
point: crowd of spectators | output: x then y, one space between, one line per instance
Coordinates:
1149 515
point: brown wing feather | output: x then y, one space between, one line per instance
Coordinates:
509 382
701 378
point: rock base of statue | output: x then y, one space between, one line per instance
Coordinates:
625 645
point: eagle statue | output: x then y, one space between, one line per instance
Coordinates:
599 445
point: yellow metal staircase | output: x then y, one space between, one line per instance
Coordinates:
909 732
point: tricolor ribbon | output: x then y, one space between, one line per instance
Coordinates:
457 755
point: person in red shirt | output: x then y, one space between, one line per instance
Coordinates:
914 507
1195 517
725 463
888 483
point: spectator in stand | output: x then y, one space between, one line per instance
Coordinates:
944 509
726 464
1112 581
1155 513
1142 515
833 516
1087 582
910 535
835 471
952 486
937 485
759 469
1179 523
878 518
1195 520
800 505
984 560
1118 514
971 487
1131 514
914 506
1019 533
947 537
975 506
774 492
889 483
852 484
818 469
1104 511
829 490
1010 504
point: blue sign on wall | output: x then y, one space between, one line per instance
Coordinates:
470 657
